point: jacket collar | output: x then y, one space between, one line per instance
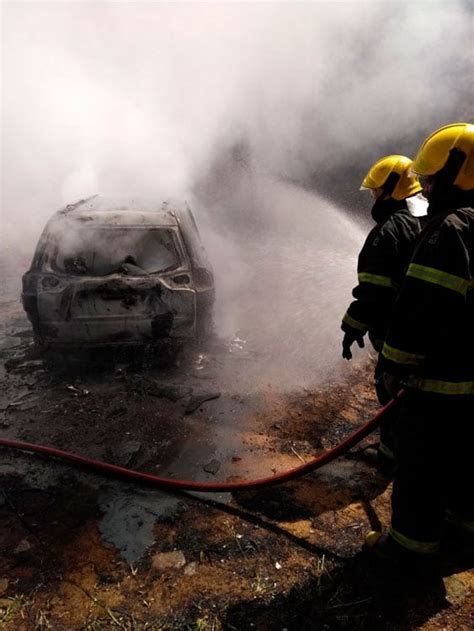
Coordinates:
450 199
385 208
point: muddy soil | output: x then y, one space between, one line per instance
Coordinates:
81 551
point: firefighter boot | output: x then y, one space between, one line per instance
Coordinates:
392 553
376 456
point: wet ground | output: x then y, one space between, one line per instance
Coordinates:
81 551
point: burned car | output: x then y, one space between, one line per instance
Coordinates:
119 272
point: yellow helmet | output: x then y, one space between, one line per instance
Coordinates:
407 184
434 152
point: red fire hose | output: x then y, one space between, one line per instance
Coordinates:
211 487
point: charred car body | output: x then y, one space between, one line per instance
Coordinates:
119 272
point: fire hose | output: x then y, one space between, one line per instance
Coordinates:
211 487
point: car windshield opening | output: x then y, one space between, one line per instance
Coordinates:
102 251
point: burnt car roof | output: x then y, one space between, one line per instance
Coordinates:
124 211
98 211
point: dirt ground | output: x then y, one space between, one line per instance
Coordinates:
81 551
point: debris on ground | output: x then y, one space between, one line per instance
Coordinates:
23 546
172 392
166 560
125 453
77 392
212 467
195 401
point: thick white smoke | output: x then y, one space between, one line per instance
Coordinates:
151 98
100 96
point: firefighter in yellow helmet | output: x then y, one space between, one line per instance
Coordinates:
381 266
429 349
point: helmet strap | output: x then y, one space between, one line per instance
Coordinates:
390 184
444 179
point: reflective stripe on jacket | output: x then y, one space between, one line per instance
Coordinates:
382 264
431 339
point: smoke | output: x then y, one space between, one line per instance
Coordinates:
108 96
222 103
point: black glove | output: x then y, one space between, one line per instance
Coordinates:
347 342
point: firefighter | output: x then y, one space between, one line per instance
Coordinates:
429 349
382 263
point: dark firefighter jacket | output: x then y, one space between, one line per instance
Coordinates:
382 264
431 339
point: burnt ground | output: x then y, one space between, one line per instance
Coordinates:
81 551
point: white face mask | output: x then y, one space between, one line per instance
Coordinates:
417 205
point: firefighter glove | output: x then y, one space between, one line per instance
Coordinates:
347 342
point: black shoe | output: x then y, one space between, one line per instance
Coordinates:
384 547
385 465
392 553
373 456
458 531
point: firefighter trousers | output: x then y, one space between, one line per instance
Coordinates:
387 446
434 471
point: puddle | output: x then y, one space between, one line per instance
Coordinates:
218 435
130 515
